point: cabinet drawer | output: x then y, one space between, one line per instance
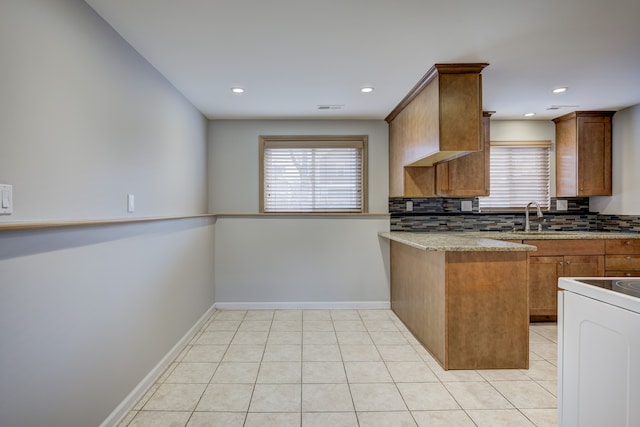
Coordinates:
610 273
622 262
627 246
566 247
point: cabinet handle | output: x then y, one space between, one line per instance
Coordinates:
628 242
561 262
628 258
628 274
568 262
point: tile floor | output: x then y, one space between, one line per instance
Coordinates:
339 368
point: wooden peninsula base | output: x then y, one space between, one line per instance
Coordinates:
469 309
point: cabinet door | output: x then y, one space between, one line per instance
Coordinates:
583 266
594 156
543 284
566 158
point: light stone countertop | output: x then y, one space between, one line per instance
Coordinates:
490 241
550 235
454 242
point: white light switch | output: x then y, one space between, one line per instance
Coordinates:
131 206
409 206
6 199
466 206
561 205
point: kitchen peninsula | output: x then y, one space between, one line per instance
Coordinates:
464 298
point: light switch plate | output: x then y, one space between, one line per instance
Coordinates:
131 203
466 206
409 206
6 199
562 205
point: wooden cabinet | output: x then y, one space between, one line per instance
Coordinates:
439 119
554 259
622 258
466 176
543 279
469 309
583 154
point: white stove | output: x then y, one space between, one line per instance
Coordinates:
599 352
624 293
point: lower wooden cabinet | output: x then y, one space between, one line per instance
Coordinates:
543 278
554 259
468 309
622 258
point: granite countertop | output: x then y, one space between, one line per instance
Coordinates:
452 242
550 235
490 241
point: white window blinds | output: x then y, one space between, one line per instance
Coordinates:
519 174
315 175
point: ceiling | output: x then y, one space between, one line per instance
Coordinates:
293 55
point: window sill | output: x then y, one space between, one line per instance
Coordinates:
304 215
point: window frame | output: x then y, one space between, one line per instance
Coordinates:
315 141
522 144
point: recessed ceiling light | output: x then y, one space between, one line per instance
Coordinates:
529 114
367 89
560 89
237 90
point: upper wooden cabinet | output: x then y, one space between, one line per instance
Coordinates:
583 154
440 119
467 176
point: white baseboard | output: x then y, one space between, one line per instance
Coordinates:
132 398
328 305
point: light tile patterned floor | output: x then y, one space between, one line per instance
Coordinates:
339 368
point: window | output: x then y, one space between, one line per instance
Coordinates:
519 174
313 173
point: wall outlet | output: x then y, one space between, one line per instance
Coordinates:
562 205
6 199
466 206
131 203
409 206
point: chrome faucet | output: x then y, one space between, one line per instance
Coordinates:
527 224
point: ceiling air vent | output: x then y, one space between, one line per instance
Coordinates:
330 107
558 107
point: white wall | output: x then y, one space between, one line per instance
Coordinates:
288 262
234 158
625 173
300 261
87 312
84 120
528 130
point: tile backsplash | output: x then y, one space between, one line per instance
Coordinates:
445 214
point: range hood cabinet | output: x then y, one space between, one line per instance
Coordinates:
440 118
